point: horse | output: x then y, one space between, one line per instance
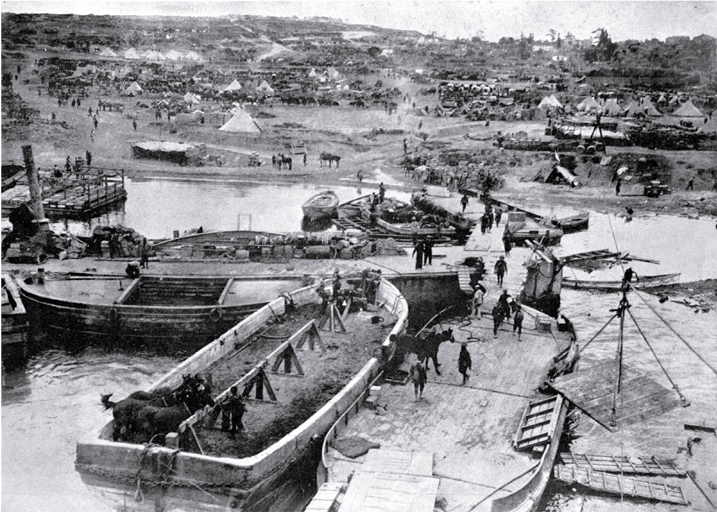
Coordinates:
124 411
153 421
328 157
425 348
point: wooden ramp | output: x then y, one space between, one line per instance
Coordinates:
618 484
392 480
488 242
592 390
538 423
464 279
625 465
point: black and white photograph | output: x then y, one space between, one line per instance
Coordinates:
248 258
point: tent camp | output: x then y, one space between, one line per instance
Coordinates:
133 89
709 127
108 53
611 108
234 86
265 89
649 109
241 122
589 105
173 55
192 56
688 110
131 54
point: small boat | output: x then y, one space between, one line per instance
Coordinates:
215 238
395 217
14 320
457 220
291 405
643 282
574 223
459 442
519 228
321 205
160 309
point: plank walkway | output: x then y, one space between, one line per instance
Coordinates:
621 464
464 279
538 423
618 484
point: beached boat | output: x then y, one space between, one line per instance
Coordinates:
213 471
395 217
574 223
486 445
457 220
14 320
607 285
158 308
321 205
520 228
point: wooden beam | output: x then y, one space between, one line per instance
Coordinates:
128 291
225 292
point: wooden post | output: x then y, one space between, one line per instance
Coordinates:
35 194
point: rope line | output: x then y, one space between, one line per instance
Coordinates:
596 335
677 334
674 385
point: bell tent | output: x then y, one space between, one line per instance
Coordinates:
241 122
688 110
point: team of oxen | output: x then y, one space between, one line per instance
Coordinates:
144 416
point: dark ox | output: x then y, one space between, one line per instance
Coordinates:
425 347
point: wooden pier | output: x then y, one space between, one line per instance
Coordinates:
79 195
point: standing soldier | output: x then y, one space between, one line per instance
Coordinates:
518 321
419 378
134 124
233 411
464 202
464 362
501 268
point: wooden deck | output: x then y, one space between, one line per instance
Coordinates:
621 464
592 390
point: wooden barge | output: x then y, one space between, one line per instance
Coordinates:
157 309
14 321
486 445
78 196
185 479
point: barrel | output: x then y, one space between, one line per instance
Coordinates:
241 255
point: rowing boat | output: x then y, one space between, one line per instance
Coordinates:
607 285
520 228
574 223
202 468
14 320
321 205
160 309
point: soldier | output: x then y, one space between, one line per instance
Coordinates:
233 411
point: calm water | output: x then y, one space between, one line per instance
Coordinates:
155 208
54 400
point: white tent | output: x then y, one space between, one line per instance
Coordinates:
234 86
265 88
133 89
589 105
191 98
709 127
332 73
649 108
611 108
146 53
173 55
131 54
241 122
633 109
549 102
192 56
107 52
555 101
155 55
312 73
688 110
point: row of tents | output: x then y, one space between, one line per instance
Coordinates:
612 108
152 55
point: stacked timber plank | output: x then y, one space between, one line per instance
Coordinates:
624 465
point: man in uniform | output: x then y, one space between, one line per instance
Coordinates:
233 411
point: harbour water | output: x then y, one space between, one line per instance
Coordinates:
54 399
